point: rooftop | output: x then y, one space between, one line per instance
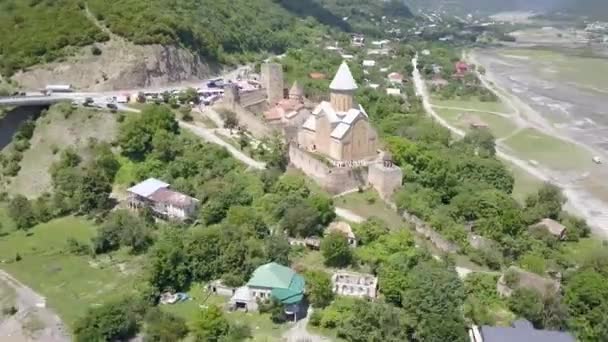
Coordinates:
287 286
341 227
344 79
174 198
148 187
522 331
554 227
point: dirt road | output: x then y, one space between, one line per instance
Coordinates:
33 321
580 202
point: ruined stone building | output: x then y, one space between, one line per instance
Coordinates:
340 129
354 284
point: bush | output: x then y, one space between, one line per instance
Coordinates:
77 248
9 311
95 50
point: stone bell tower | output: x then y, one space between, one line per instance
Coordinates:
343 88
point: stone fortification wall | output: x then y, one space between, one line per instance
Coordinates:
385 179
333 179
427 231
254 124
253 97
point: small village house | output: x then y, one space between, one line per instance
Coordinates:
551 226
164 202
344 229
520 331
269 281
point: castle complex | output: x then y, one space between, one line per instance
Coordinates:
340 128
332 142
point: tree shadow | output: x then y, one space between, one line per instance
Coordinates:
310 8
12 120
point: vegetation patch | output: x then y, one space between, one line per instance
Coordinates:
70 283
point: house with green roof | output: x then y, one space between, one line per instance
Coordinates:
272 280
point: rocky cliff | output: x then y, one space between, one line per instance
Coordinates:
121 65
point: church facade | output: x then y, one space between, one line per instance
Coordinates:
340 129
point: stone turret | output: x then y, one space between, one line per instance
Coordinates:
385 176
343 89
296 92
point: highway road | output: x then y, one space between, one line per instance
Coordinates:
36 98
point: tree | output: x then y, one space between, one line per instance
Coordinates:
162 326
372 322
318 288
136 132
112 321
336 250
21 212
546 203
277 248
324 206
482 141
302 220
370 230
230 119
210 325
168 262
586 296
528 304
433 296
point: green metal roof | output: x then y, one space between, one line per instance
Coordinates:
287 286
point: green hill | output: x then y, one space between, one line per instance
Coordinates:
35 31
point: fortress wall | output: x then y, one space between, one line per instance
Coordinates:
251 98
332 179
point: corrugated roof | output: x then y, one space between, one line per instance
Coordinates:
344 79
148 187
287 286
174 198
502 334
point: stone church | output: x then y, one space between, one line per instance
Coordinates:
340 129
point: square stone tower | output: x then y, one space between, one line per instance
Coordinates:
385 176
272 81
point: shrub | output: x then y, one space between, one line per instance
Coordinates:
77 248
95 50
9 311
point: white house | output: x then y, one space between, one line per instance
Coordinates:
164 202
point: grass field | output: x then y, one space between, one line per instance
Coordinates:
70 283
551 152
262 328
368 204
56 131
525 183
499 126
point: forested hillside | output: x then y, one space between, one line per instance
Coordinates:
35 31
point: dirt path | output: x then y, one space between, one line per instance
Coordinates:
594 211
33 320
298 332
504 115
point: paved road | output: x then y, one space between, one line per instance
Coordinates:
29 307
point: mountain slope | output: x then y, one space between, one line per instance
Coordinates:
38 31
